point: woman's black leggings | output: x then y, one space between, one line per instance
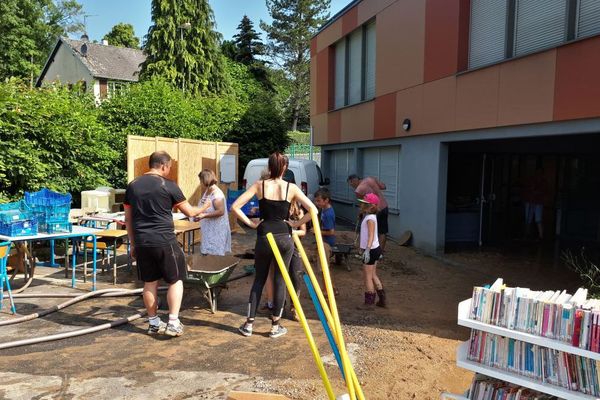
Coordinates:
263 256
296 271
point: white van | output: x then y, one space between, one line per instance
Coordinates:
304 173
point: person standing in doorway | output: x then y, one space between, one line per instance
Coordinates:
149 201
535 191
373 185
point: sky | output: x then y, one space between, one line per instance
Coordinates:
104 14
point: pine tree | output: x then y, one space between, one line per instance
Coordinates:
294 23
183 48
248 43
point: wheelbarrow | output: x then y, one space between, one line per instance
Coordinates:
210 274
340 252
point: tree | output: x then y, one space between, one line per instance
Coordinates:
247 42
228 49
183 48
294 23
29 29
122 35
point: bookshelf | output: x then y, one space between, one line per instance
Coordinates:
462 360
464 308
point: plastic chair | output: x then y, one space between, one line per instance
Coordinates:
4 252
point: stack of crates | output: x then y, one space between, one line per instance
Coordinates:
17 219
250 208
51 209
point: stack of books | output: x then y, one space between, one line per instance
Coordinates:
485 388
554 314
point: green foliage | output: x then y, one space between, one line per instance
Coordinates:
29 29
298 137
51 138
183 48
294 23
122 35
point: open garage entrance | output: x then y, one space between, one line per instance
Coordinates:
490 182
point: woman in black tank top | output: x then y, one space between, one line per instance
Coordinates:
275 196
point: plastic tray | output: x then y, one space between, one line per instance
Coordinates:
19 228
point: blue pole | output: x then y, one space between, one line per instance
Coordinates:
321 314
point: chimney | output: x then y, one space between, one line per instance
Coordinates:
105 42
85 38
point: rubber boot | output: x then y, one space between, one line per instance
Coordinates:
381 295
369 301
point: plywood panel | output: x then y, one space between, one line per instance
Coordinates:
189 158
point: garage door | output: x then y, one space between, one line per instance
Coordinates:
384 164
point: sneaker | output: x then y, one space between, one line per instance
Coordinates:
157 329
245 330
174 330
276 331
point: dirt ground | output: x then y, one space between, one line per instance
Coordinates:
406 351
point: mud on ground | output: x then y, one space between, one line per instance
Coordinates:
406 351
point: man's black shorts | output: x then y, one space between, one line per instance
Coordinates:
166 262
382 222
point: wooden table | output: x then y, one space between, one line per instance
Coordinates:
114 237
187 228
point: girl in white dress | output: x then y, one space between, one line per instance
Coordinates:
214 221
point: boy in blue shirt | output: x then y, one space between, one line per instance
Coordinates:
323 202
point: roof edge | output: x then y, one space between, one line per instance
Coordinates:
337 16
49 61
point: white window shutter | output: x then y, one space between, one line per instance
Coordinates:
355 67
370 61
589 18
340 73
487 43
539 24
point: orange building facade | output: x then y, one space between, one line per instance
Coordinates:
458 88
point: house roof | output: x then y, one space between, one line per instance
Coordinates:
103 61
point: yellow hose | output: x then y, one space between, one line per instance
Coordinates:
325 308
332 303
303 321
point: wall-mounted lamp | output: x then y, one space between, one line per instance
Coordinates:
406 124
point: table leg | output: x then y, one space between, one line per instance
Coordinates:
66 257
115 261
85 255
94 264
73 263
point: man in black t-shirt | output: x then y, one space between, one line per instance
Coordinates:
149 201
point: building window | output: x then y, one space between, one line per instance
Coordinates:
116 87
341 164
355 67
588 18
383 163
502 29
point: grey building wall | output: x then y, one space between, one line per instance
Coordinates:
422 180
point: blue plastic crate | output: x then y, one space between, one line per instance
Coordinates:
247 209
14 212
19 228
55 226
49 205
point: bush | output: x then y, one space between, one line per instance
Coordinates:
52 138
